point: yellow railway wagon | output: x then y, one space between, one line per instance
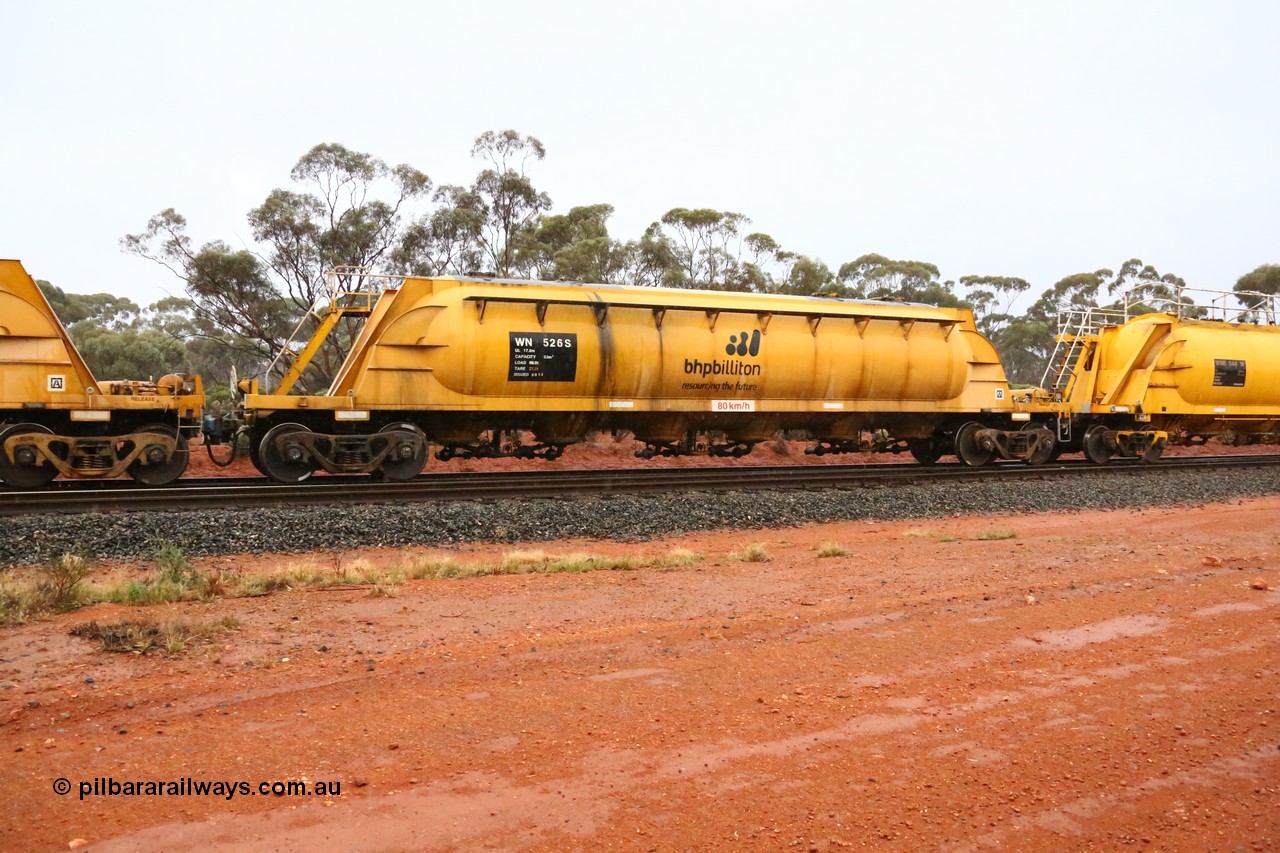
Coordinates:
467 362
56 418
1159 377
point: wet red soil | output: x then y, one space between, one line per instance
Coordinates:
1095 680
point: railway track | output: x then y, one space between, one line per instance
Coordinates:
80 497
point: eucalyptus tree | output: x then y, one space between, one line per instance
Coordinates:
992 299
105 309
130 353
347 212
1262 280
575 246
874 276
693 247
1143 288
505 195
446 240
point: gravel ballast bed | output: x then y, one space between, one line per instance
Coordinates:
34 538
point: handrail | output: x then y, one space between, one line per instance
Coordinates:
347 290
1254 307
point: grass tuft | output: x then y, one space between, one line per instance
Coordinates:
253 586
61 582
19 602
383 590
995 535
538 562
140 637
676 558
172 563
430 567
753 553
918 533
151 590
831 549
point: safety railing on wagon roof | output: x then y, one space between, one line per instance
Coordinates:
360 282
347 288
1228 306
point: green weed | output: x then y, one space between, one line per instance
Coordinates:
61 582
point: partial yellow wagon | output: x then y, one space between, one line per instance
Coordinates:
56 418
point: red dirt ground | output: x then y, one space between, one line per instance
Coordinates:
1100 680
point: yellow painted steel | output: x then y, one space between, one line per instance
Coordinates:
1195 372
486 345
358 304
41 369
309 351
38 363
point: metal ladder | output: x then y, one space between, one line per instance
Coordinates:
1077 328
348 290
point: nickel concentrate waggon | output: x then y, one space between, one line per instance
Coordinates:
478 367
486 367
56 418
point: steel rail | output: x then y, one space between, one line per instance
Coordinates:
78 497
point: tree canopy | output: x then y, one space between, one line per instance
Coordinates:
1264 279
349 209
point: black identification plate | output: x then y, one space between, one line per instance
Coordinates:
543 357
1228 372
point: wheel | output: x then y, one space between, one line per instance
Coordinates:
254 457
926 451
399 466
158 472
968 450
24 472
1048 443
1153 452
282 461
1095 446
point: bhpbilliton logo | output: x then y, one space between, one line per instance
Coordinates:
742 345
738 344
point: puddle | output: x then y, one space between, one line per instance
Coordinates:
1098 632
859 622
629 673
1229 607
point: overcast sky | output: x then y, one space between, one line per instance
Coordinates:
1031 139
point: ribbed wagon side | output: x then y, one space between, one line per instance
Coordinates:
467 363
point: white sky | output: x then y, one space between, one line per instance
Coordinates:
1033 139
